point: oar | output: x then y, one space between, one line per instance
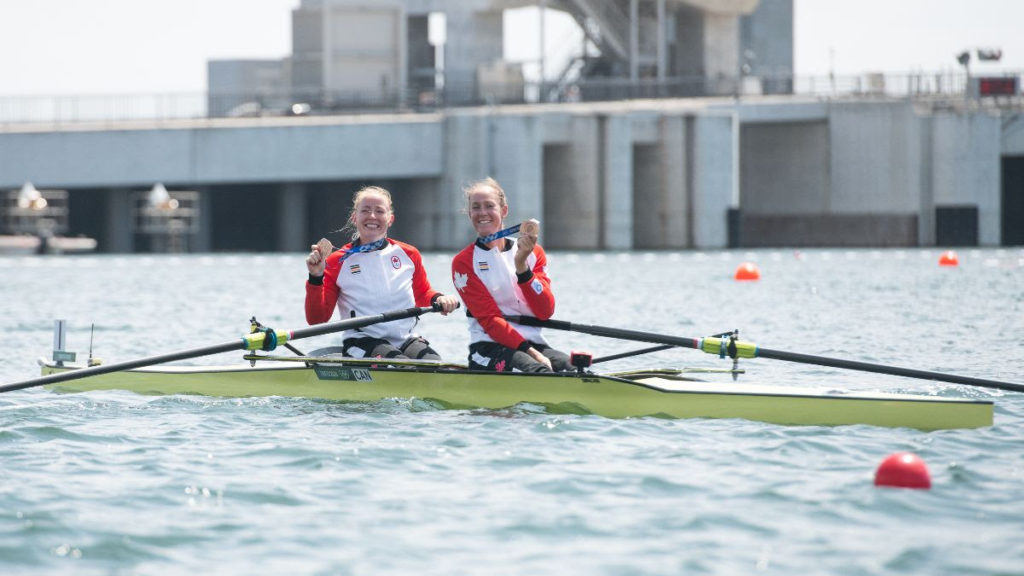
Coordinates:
264 340
631 353
723 346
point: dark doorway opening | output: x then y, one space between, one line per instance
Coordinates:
1013 200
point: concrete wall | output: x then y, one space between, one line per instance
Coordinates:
713 180
467 158
784 168
474 39
766 42
1012 136
660 198
870 173
617 183
708 45
226 152
965 162
874 154
365 49
688 50
852 179
350 48
231 83
614 175
571 187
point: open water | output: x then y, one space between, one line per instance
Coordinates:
117 483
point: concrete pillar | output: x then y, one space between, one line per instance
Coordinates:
518 165
473 39
203 239
616 183
466 159
571 198
672 186
688 54
420 57
419 211
634 40
120 234
661 42
708 45
721 52
713 177
660 209
648 213
926 214
967 152
292 207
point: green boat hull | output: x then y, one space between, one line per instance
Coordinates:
656 393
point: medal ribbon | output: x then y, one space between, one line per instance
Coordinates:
499 234
363 248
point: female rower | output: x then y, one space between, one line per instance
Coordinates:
496 277
371 275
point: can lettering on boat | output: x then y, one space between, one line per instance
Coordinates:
342 373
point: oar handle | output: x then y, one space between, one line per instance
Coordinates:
253 341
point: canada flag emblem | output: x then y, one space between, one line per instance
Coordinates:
460 281
396 262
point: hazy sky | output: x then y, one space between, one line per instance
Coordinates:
146 46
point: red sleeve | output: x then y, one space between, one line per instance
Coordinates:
480 303
421 289
321 300
538 295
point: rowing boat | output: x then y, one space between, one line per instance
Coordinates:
669 393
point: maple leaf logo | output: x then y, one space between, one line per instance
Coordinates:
460 281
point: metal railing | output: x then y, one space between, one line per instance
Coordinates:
67 110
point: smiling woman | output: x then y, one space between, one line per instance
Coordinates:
372 274
497 277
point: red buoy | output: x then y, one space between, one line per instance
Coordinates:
948 258
903 470
748 271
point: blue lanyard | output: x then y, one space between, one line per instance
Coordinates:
363 248
499 234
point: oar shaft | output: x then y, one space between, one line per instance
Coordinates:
629 354
359 322
118 366
719 346
607 332
248 342
883 369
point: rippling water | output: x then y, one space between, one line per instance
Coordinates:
116 483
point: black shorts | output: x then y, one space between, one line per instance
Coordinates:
497 358
414 348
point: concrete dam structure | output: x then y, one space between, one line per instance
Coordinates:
741 168
638 174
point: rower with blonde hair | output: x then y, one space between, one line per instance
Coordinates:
370 275
498 277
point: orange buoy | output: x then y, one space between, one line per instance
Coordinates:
748 271
903 470
948 258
